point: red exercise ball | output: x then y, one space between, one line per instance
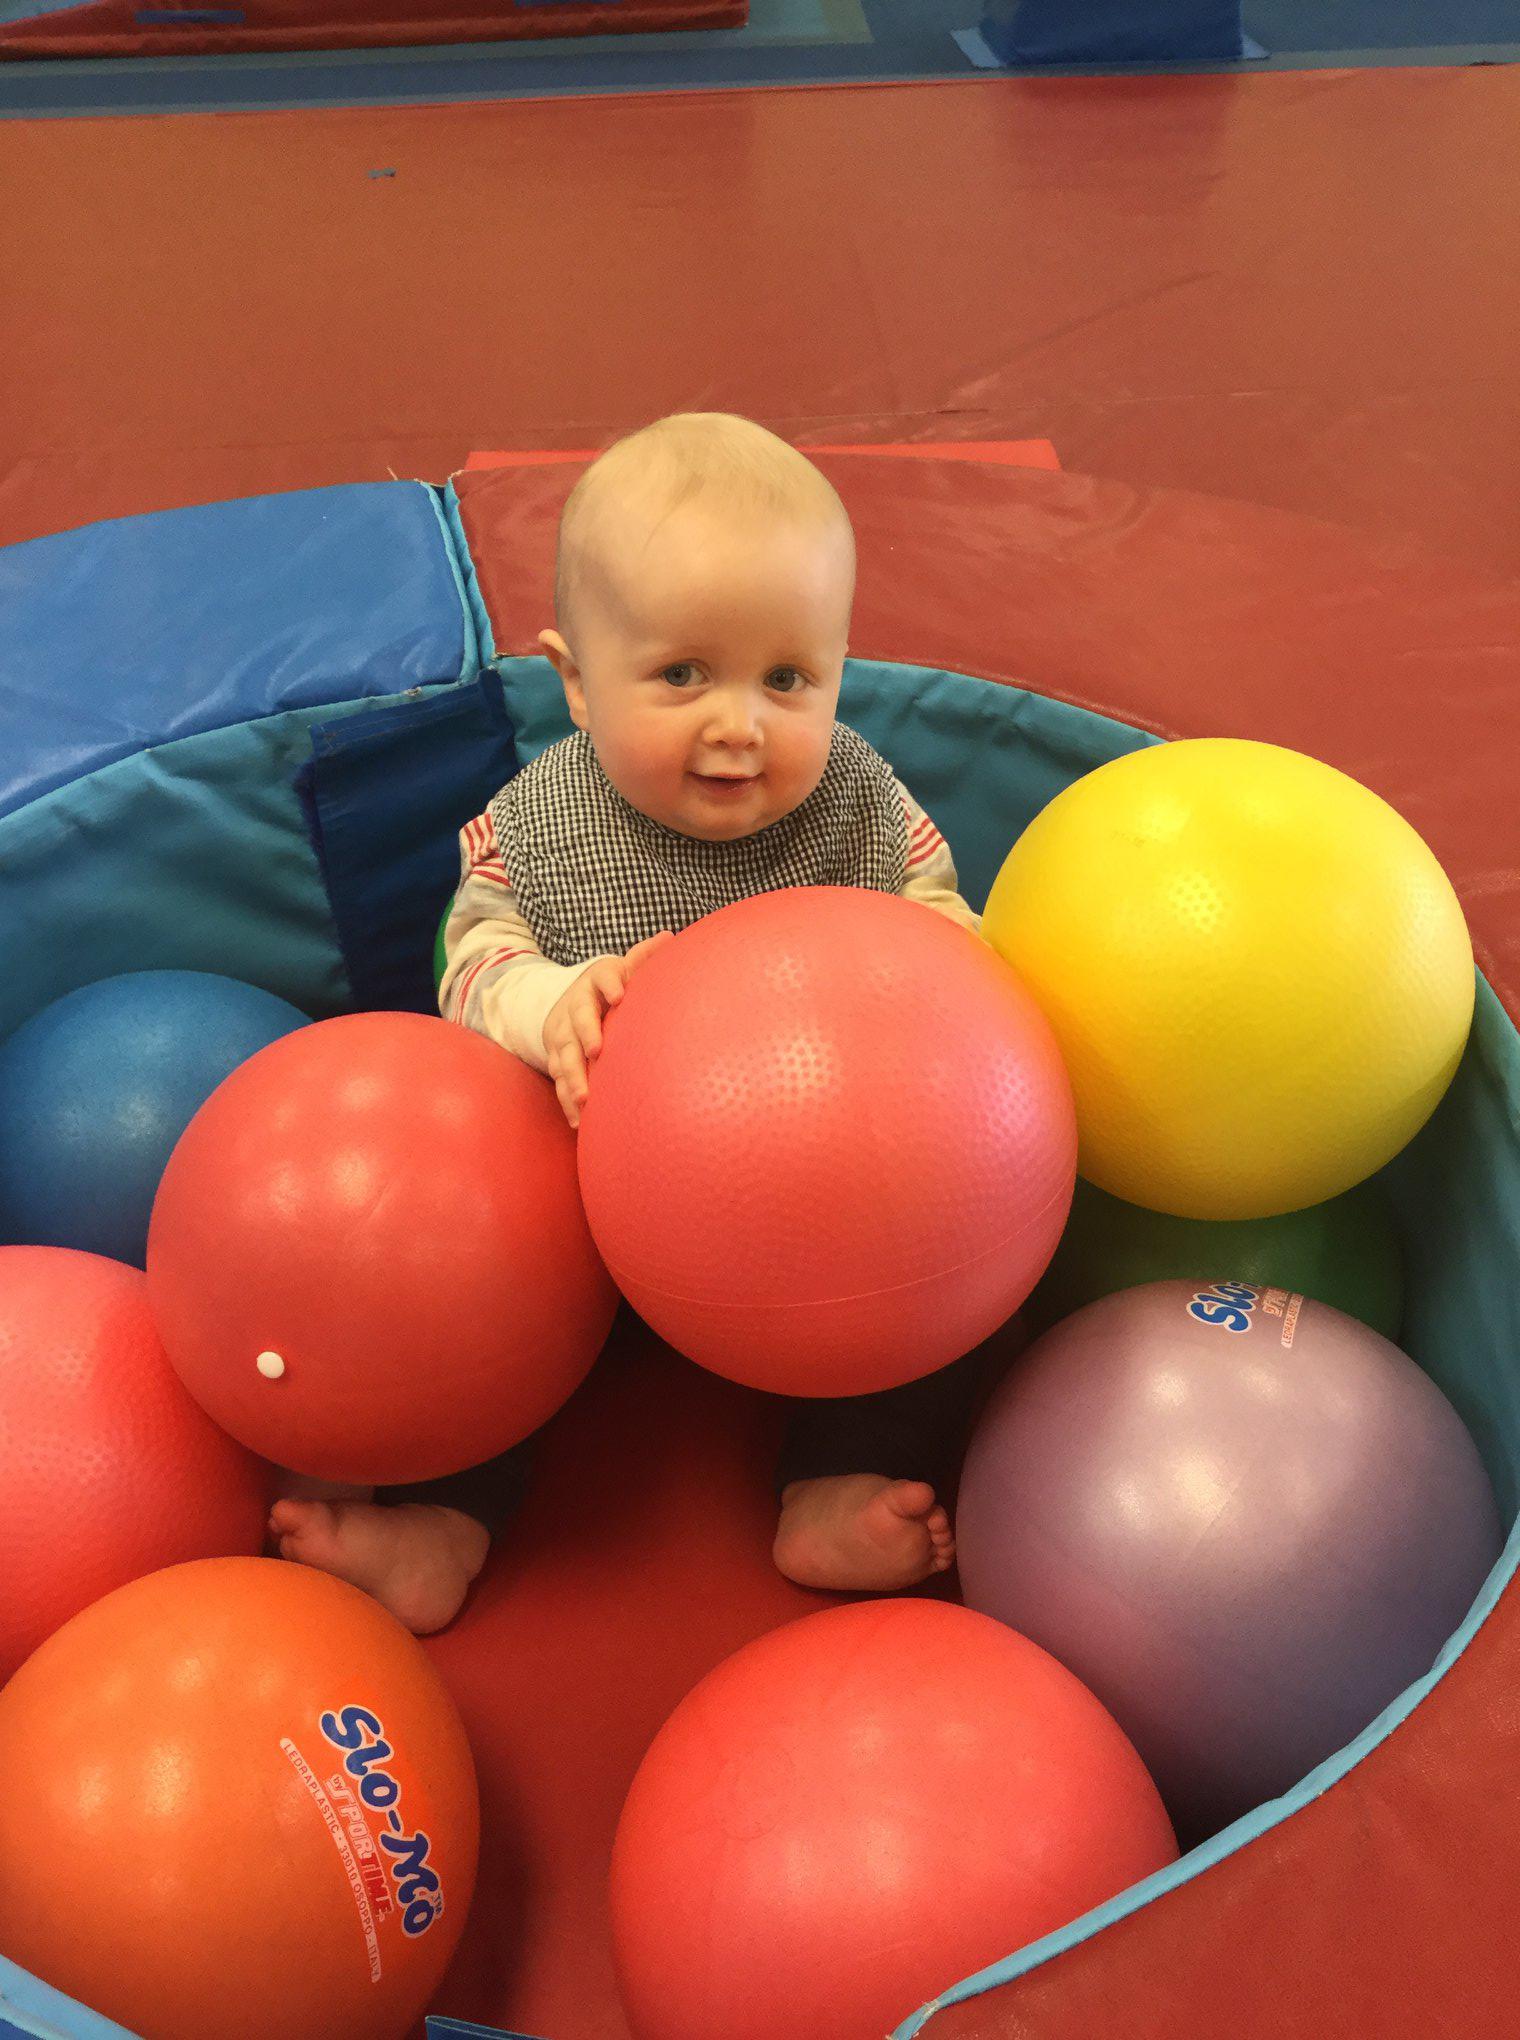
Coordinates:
108 1468
829 1144
236 1801
368 1258
856 1811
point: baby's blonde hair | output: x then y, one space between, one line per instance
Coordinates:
740 467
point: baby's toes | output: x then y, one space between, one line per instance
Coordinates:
913 1500
306 1530
285 1520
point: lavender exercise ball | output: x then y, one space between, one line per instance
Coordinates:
1244 1520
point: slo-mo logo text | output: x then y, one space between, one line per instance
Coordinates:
362 1736
1226 1304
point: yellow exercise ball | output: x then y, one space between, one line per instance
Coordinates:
1259 975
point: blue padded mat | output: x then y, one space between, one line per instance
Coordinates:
35 2011
148 629
386 792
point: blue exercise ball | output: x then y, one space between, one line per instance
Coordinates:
96 1089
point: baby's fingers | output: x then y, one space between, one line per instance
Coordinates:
645 948
568 1068
602 987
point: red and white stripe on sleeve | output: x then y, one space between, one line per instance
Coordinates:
480 855
496 979
924 840
930 874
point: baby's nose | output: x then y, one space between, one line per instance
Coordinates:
734 720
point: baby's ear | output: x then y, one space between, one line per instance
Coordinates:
555 650
562 659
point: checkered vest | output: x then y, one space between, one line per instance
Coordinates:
593 876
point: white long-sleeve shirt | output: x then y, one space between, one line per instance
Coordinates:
498 982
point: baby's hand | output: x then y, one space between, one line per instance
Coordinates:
573 1030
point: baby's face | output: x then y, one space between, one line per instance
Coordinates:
710 657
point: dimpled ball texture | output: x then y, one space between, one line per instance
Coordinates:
1258 973
829 1144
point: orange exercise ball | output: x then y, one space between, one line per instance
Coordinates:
856 1811
108 1467
829 1144
368 1257
236 1801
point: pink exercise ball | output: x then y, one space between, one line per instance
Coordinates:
1246 1521
829 1144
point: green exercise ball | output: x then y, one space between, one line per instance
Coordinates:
439 959
1344 1253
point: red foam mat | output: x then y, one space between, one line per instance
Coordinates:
1290 288
165 28
641 1558
1001 452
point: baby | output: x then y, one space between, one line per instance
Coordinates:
704 582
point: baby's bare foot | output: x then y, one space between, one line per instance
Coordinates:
862 1533
416 1559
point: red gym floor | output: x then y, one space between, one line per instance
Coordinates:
1269 323
1298 288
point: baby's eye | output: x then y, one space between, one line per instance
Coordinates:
786 680
680 675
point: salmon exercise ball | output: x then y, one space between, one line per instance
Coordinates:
855 1810
829 1144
